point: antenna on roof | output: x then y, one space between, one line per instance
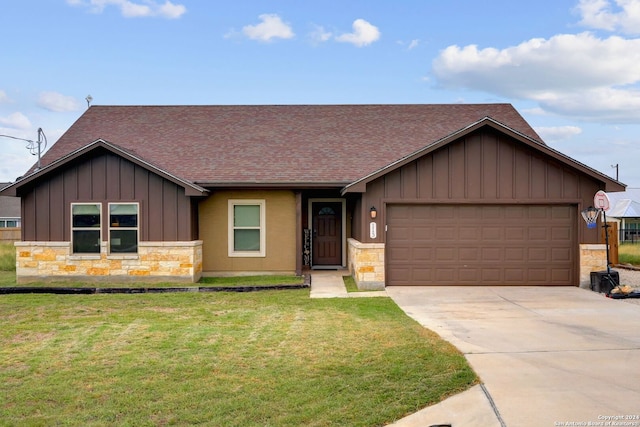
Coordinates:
89 98
616 168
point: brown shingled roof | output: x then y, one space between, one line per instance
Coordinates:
288 144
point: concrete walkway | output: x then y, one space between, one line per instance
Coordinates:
329 284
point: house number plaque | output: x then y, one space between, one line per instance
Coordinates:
372 230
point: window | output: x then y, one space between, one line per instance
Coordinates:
9 222
247 228
85 228
123 227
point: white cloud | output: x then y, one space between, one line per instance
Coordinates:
363 34
4 97
15 121
271 27
57 102
580 75
556 133
131 9
320 35
619 15
413 44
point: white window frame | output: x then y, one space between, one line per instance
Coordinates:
231 228
4 222
110 228
99 204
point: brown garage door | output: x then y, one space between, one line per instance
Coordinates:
481 245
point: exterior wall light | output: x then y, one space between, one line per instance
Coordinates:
373 212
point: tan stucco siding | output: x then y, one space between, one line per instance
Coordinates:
280 216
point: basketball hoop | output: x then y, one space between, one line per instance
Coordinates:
590 216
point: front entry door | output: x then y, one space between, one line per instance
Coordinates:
327 233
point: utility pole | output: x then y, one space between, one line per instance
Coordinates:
34 147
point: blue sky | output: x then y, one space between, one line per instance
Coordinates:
571 68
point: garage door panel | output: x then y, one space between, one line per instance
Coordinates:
514 275
397 254
537 233
560 254
538 254
445 233
560 233
469 233
514 254
490 212
468 275
481 244
445 254
399 212
491 275
492 254
492 233
422 254
468 254
514 233
444 275
446 213
515 212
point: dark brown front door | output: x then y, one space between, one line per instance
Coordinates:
327 233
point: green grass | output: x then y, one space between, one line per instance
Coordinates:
252 280
272 358
7 257
629 253
351 286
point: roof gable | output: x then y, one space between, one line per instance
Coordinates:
190 188
360 184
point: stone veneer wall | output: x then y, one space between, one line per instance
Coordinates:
366 264
154 262
593 257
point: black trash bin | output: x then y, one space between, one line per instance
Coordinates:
604 282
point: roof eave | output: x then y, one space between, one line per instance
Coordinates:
294 185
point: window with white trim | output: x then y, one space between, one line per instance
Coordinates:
123 227
9 222
246 228
85 227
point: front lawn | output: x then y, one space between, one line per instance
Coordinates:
270 358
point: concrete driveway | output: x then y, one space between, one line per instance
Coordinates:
546 356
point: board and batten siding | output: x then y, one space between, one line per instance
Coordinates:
166 213
484 167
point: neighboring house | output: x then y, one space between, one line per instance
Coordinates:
9 217
400 194
625 210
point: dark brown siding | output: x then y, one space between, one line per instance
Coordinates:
485 167
166 214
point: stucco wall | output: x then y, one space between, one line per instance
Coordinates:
154 262
280 217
